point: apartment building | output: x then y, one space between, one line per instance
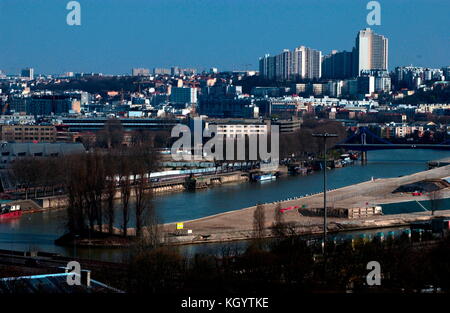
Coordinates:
28 133
231 128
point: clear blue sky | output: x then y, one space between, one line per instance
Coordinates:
117 35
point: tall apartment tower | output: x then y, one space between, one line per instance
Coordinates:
267 66
264 65
298 62
337 65
28 73
283 65
313 64
306 63
303 63
371 51
140 72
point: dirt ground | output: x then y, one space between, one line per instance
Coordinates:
239 223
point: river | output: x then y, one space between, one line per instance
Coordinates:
38 231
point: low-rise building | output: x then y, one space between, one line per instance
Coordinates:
288 125
231 128
11 151
28 133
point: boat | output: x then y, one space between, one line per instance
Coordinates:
264 177
10 211
354 156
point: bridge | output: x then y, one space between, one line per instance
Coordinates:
369 146
381 144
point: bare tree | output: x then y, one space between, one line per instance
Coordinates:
111 136
74 184
153 227
259 221
110 189
97 184
27 172
72 198
278 227
299 142
89 193
141 200
125 189
52 174
145 160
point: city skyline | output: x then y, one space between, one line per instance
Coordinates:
198 151
188 37
369 53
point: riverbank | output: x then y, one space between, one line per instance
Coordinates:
40 230
96 239
305 228
161 187
238 224
182 183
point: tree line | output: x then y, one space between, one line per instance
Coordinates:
302 144
290 264
93 182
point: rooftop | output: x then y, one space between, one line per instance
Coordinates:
51 283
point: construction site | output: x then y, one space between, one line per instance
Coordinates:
358 206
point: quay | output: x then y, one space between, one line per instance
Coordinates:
43 203
238 224
438 163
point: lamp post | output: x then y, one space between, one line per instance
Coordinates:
325 136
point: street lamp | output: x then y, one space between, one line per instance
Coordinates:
325 136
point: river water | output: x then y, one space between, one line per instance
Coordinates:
38 231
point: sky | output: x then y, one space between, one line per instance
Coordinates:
117 35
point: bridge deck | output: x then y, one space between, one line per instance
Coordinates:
377 146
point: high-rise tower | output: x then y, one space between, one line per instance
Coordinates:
371 51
